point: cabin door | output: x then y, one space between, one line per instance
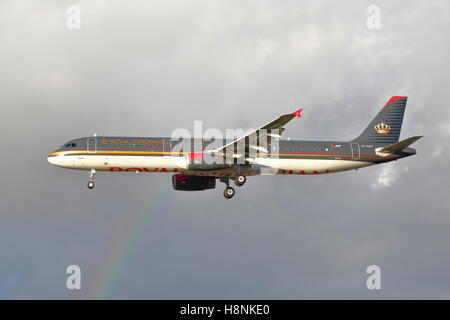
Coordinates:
91 145
356 151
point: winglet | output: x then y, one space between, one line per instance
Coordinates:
298 113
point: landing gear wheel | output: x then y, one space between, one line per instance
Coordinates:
240 180
90 184
229 192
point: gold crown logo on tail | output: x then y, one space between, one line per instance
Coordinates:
382 128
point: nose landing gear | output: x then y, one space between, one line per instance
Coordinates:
90 184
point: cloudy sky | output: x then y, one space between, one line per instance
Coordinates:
144 68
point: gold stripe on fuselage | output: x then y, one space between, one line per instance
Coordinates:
125 152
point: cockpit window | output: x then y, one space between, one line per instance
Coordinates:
69 145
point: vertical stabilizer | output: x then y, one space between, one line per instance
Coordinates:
386 126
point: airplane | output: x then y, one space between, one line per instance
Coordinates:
261 150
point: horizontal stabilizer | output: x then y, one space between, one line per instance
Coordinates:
398 146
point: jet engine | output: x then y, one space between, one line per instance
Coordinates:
187 182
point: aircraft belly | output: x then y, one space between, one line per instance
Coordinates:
178 164
311 166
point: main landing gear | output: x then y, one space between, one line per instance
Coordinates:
90 184
240 180
229 192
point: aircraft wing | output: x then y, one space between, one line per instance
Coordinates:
255 139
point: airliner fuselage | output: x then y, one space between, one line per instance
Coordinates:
135 154
260 152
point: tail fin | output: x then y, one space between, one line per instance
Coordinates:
386 126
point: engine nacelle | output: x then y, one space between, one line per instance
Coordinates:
187 182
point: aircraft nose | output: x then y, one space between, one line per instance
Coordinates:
53 159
